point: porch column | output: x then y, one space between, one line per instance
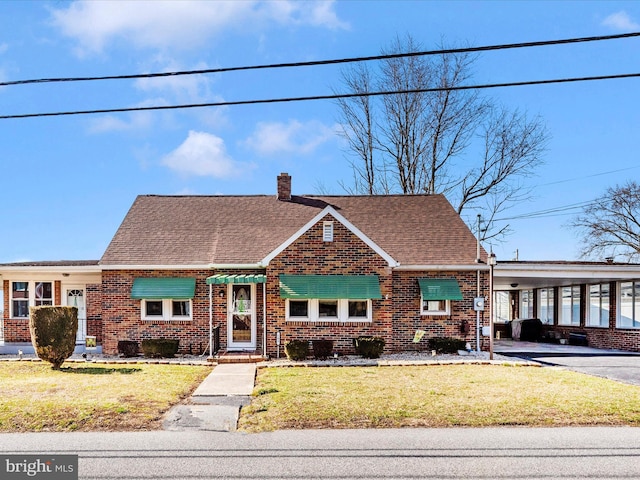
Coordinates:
210 322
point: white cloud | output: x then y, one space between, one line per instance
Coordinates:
179 24
294 137
620 21
112 123
204 154
4 47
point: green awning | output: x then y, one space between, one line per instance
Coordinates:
440 289
360 287
156 288
248 278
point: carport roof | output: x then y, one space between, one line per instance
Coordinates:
520 275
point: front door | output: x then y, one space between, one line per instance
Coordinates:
75 298
241 318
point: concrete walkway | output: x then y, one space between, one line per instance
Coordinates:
215 405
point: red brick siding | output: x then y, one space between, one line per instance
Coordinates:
345 255
407 318
121 315
94 311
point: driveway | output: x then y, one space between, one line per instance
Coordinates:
612 364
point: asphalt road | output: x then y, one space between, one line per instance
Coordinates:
493 453
620 367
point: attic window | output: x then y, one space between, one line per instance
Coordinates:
327 231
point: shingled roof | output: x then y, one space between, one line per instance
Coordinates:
205 230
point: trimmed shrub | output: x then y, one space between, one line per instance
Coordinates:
369 347
128 348
297 349
446 344
322 348
160 347
53 332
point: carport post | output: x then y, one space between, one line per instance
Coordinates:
210 322
492 263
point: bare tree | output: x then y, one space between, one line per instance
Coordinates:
610 225
449 141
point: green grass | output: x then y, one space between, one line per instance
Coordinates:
89 397
435 396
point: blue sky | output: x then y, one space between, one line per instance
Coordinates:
67 182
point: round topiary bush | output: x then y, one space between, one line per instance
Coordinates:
53 333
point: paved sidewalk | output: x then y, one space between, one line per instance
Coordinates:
215 405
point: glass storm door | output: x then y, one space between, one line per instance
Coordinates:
75 298
241 321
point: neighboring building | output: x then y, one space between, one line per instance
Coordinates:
26 284
594 301
268 269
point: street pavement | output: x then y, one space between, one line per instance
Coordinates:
491 453
612 364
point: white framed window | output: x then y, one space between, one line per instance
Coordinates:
546 305
598 311
526 304
502 310
434 307
26 294
166 309
628 305
19 300
329 310
569 305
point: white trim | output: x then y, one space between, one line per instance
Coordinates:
254 321
240 266
8 269
313 311
329 210
444 268
167 310
156 267
446 311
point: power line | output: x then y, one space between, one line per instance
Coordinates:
327 62
321 97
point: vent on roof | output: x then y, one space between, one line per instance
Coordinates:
327 231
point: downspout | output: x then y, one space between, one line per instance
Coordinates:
210 322
264 318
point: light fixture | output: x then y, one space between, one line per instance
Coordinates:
221 293
514 285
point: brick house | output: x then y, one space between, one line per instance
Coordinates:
261 270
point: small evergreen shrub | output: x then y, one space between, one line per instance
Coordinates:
322 348
446 344
53 333
128 348
369 347
160 347
297 349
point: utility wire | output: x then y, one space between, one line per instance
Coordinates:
321 97
327 62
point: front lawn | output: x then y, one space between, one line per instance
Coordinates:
436 396
89 397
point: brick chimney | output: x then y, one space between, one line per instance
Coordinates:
284 187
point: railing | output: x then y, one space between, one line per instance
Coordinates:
216 340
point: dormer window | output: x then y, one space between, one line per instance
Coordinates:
327 231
